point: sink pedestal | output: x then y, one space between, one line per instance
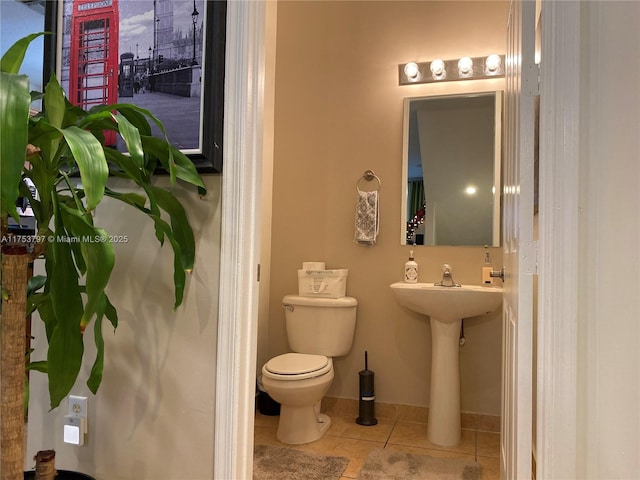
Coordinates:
443 427
446 306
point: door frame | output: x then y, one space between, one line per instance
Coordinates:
237 342
557 333
240 240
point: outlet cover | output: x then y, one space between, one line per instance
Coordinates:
78 406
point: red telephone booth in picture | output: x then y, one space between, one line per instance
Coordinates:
93 62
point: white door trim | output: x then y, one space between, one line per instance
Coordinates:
558 222
240 241
518 243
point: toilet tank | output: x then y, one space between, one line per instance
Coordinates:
321 326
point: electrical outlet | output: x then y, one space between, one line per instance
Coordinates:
78 406
75 423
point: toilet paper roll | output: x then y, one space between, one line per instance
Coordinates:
313 265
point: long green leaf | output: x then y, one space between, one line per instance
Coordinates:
139 202
162 230
130 198
131 137
64 360
111 313
44 305
97 253
54 103
34 299
153 211
138 119
179 273
163 152
12 59
40 366
89 156
133 113
180 226
126 108
35 283
47 138
66 348
95 378
14 118
44 185
105 308
125 163
186 170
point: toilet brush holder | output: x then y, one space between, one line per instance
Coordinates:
367 396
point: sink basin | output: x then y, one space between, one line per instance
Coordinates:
446 307
447 303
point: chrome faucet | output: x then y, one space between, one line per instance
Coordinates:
447 277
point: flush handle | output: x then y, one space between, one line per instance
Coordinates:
289 308
498 274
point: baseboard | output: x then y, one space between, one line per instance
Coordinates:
407 413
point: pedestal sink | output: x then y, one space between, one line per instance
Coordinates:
446 306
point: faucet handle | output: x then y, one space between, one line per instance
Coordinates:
447 277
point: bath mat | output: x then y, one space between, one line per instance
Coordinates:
281 463
394 465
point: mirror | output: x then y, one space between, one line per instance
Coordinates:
451 170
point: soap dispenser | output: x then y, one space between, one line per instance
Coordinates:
487 279
411 270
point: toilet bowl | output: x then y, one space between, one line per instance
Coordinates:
299 382
318 329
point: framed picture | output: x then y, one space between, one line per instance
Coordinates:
166 56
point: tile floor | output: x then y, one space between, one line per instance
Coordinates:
346 438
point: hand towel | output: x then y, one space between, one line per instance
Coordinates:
367 218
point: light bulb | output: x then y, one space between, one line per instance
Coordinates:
465 67
470 190
411 70
437 69
492 64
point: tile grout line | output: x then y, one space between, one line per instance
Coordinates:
476 446
386 442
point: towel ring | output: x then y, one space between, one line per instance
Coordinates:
369 175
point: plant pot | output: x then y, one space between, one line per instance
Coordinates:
62 475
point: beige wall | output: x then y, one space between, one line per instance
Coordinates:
338 112
154 413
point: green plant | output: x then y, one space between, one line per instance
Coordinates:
50 148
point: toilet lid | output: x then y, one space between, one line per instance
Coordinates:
299 364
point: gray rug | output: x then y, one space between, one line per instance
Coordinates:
280 463
393 465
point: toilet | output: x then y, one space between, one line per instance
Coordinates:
318 329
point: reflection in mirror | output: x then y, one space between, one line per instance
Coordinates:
451 170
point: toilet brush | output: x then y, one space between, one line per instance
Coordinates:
367 395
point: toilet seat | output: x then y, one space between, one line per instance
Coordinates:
297 366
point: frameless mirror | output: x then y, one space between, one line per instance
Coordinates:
451 170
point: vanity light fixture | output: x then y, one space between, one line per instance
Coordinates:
411 70
492 64
465 68
471 190
438 70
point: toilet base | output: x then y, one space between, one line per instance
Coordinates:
301 424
